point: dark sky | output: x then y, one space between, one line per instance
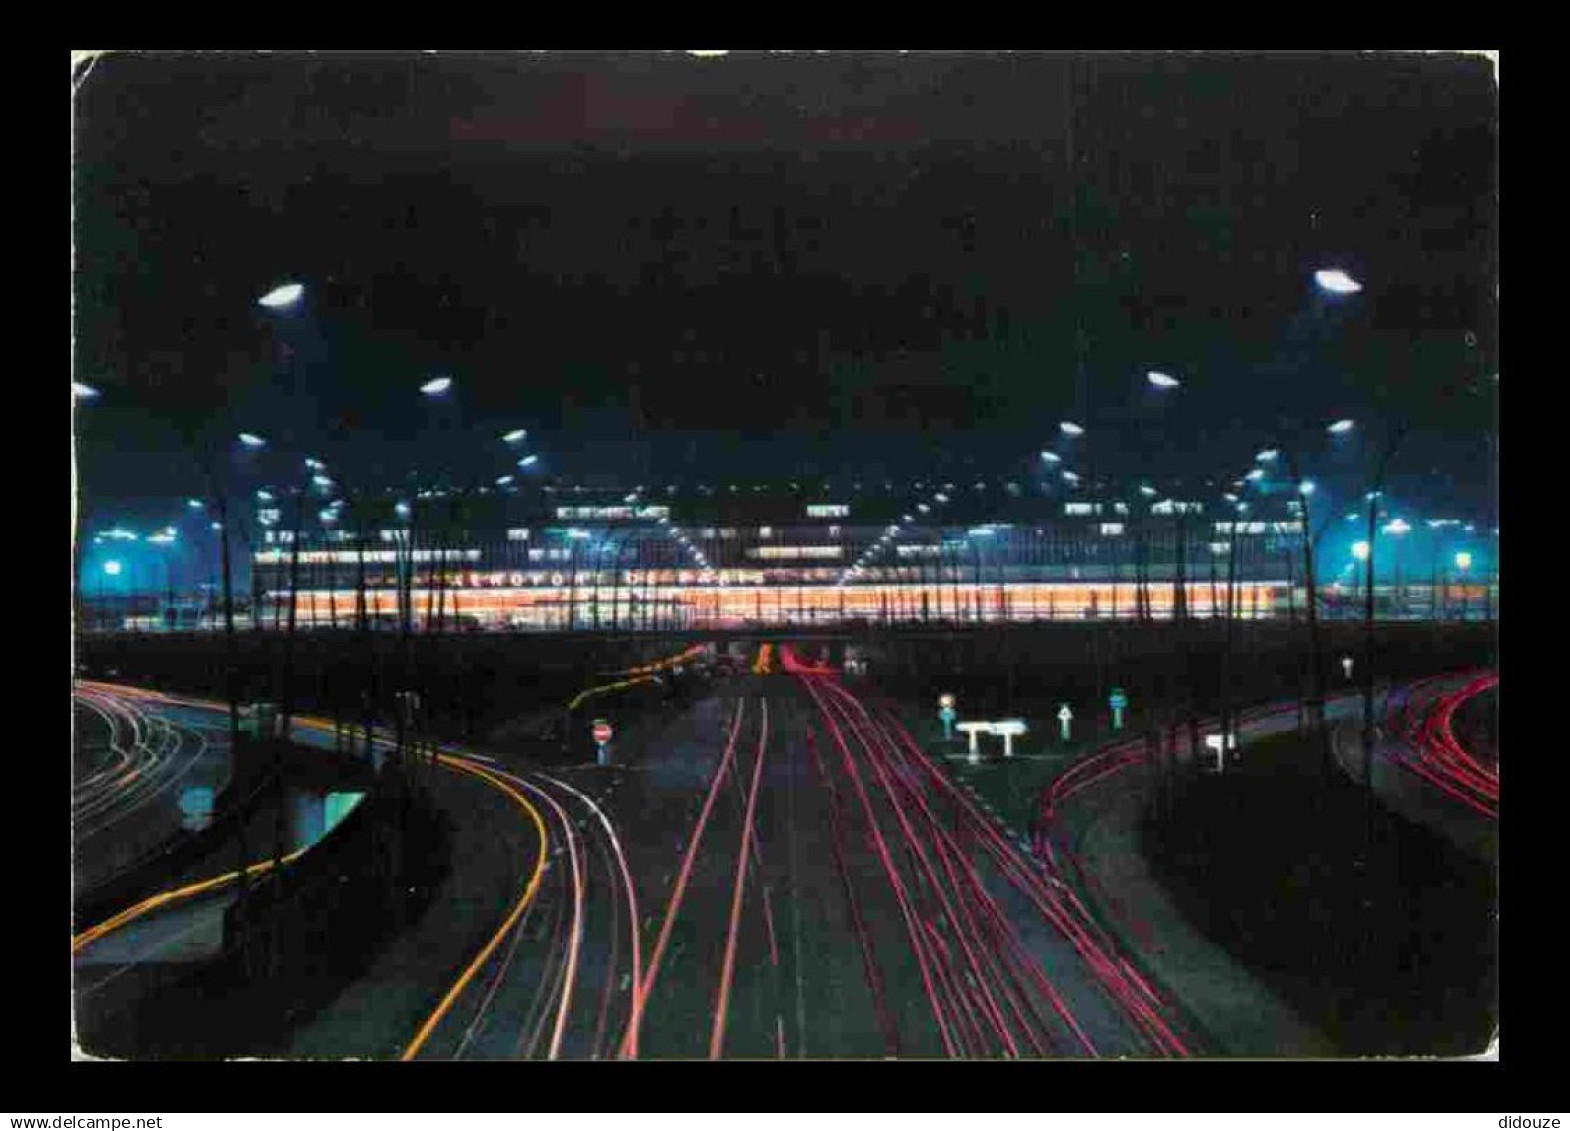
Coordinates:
752 265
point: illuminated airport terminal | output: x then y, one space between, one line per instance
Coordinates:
760 556
572 557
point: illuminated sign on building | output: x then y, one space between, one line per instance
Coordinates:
1081 508
775 552
1174 506
349 557
1110 528
1260 527
613 512
828 510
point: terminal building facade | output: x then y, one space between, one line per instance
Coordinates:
570 558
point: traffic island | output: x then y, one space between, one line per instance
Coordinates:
1378 932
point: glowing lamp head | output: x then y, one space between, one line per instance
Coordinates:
1341 427
82 392
1267 456
528 461
1463 560
1360 551
517 435
281 298
112 568
436 386
1162 380
1306 487
1069 428
1336 281
1051 457
252 440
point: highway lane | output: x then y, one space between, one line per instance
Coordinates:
145 768
777 872
1420 738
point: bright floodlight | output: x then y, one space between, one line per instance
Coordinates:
1051 457
82 392
1337 282
516 435
1463 560
251 440
1069 428
112 568
1341 427
1162 380
280 297
1306 487
1360 551
436 386
528 461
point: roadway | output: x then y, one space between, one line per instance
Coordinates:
1421 770
780 873
145 767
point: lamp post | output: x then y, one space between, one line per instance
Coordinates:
1463 561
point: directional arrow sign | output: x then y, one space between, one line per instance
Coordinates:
1065 716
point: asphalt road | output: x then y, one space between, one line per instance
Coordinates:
777 872
144 768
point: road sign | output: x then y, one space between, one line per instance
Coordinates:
602 731
1118 701
1065 716
948 715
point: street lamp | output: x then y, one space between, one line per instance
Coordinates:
82 392
1069 428
516 436
1341 427
1336 281
1162 380
281 298
252 440
436 386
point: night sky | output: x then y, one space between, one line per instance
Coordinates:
669 267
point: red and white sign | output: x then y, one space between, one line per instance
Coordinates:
602 731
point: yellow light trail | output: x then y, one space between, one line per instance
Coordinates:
452 762
465 766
